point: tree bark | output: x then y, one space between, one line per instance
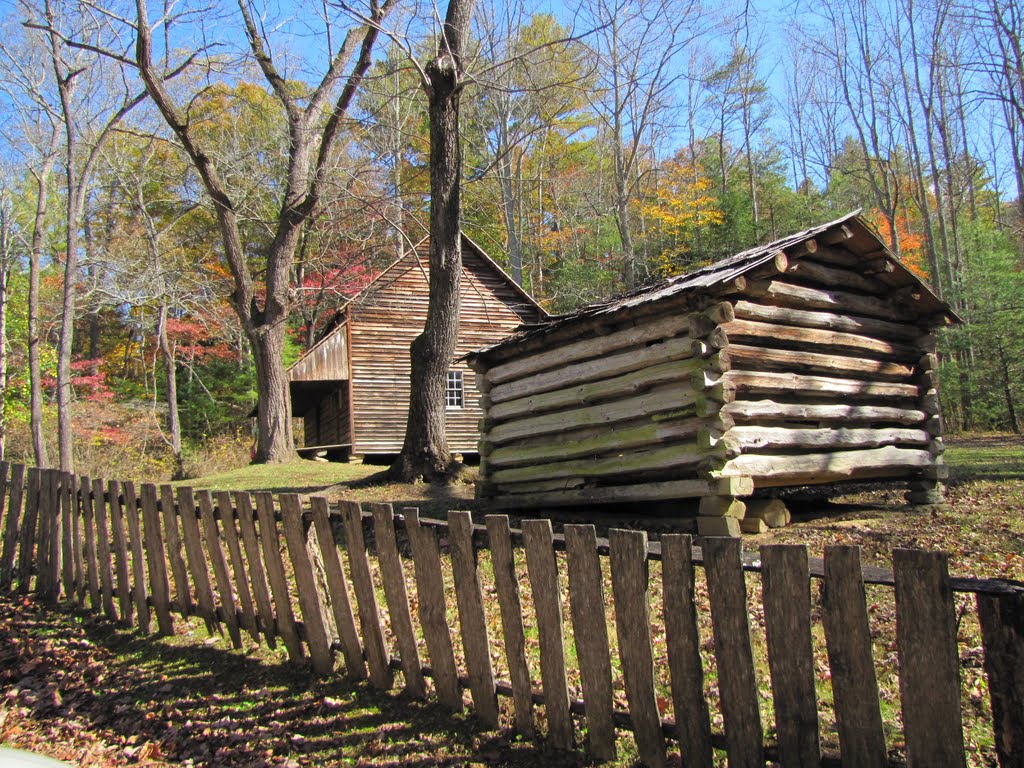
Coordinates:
35 256
424 451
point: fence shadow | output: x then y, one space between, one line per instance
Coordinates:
204 703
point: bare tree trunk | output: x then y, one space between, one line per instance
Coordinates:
425 449
171 373
35 255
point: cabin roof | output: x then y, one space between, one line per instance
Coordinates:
718 275
338 323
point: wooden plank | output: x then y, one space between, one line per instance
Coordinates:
220 567
254 559
929 659
29 523
67 499
366 597
786 590
337 584
672 457
759 358
598 346
12 524
197 566
120 539
240 585
547 602
271 545
472 620
172 537
770 471
769 410
737 685
628 550
575 395
310 602
506 583
601 367
393 576
91 555
668 489
792 384
5 470
104 559
823 329
430 595
43 536
682 639
590 630
140 589
156 559
77 543
842 302
848 638
1002 633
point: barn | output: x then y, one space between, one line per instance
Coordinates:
807 361
352 387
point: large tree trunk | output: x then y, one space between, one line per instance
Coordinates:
274 411
425 449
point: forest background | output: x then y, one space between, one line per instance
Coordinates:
607 144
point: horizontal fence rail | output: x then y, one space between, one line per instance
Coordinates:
459 605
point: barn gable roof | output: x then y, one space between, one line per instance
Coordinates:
418 251
721 274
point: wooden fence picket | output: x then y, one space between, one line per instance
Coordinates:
220 568
12 525
78 502
257 574
682 640
632 621
120 539
430 595
43 538
337 584
366 597
240 583
786 595
929 661
590 630
29 523
314 612
1002 633
5 473
67 500
156 559
397 597
737 684
506 583
92 567
547 602
104 559
848 641
271 544
140 588
175 556
54 559
469 598
197 562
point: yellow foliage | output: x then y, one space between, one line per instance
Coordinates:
683 204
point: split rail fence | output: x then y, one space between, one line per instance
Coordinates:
118 550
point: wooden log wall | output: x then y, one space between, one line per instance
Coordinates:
613 417
807 370
288 582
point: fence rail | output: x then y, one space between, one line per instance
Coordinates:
253 564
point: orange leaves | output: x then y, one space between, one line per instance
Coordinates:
911 245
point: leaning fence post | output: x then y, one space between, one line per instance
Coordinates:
1002 633
12 523
26 547
54 555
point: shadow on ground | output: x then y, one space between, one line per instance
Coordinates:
168 701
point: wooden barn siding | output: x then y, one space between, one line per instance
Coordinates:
326 361
328 422
383 327
821 380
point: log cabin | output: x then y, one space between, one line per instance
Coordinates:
807 361
352 387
